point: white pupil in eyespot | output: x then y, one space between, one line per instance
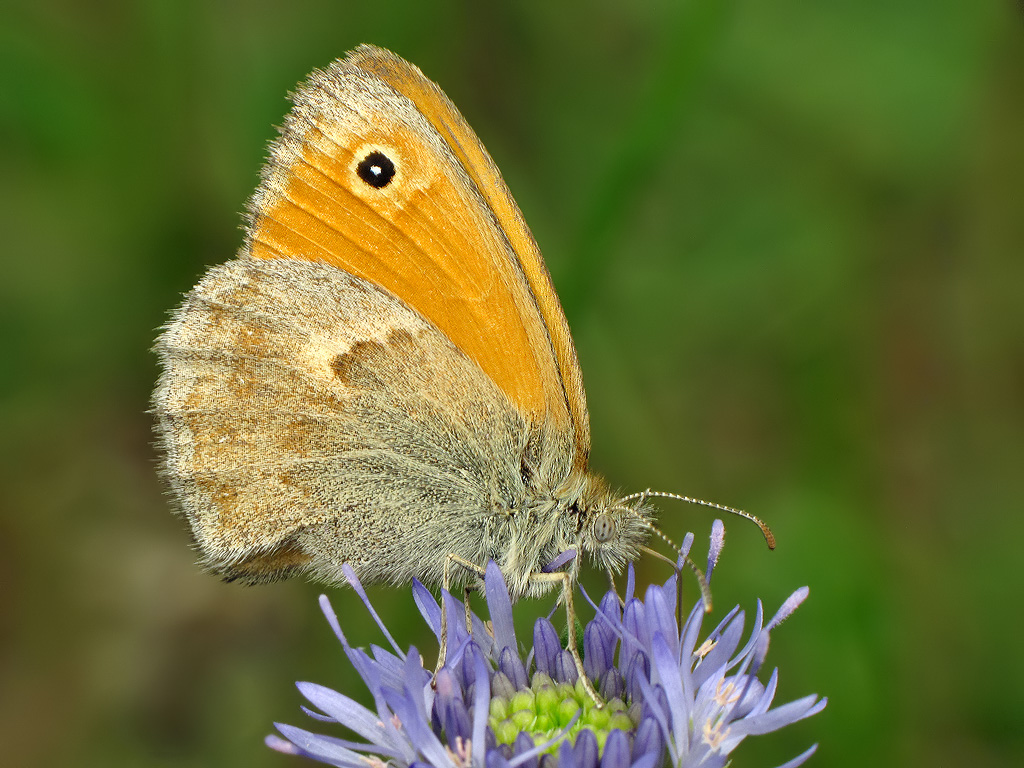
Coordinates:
376 169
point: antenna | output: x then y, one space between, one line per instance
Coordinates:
702 582
705 588
769 537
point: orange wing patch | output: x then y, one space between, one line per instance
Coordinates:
452 126
429 237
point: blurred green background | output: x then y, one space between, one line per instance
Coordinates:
788 237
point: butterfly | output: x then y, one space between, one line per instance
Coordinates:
384 377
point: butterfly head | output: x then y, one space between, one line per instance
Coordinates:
611 533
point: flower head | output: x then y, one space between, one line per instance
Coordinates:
669 692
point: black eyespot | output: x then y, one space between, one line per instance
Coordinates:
604 527
376 169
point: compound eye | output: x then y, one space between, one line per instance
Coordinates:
604 527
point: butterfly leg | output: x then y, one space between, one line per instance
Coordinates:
442 654
570 614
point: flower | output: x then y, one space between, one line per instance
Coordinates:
489 707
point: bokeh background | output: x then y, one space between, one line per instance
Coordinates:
788 237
